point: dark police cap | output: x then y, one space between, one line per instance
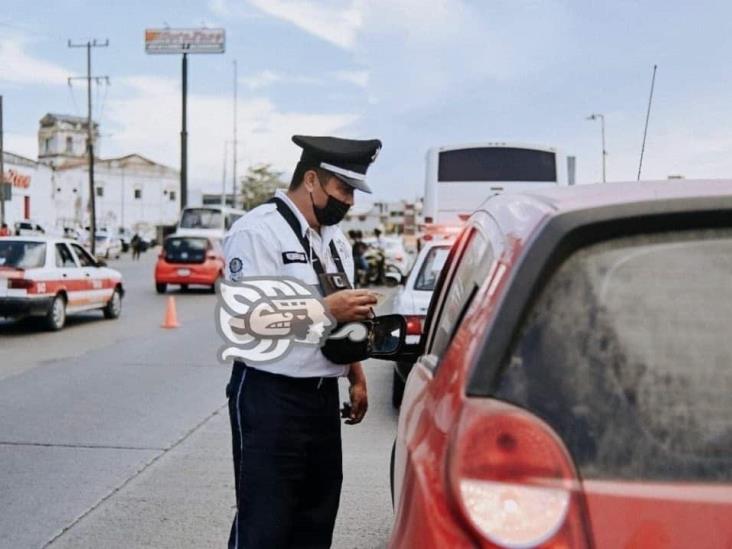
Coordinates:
348 159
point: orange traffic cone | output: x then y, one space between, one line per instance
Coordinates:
171 318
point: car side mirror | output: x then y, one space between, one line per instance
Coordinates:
101 263
386 335
386 339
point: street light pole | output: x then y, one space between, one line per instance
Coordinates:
2 167
595 116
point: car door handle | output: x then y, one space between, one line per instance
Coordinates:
87 275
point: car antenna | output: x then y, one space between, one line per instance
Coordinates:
645 129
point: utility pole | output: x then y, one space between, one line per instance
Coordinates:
595 116
2 166
236 148
184 136
90 132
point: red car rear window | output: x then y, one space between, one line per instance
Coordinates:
185 249
627 354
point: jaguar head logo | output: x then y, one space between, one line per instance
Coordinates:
260 319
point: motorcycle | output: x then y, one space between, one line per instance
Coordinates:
379 270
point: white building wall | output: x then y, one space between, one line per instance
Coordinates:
157 203
39 192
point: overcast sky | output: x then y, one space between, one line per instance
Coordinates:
414 73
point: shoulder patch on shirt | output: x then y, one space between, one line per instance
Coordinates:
294 257
235 265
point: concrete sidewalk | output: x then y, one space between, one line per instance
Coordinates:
184 497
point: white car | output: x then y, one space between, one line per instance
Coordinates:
28 228
107 245
412 300
53 277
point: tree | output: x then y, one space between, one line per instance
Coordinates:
259 184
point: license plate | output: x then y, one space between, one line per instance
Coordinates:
3 286
184 272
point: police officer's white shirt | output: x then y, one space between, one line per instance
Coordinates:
258 239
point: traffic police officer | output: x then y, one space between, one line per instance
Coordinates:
284 415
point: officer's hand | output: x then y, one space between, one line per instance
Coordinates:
349 305
359 402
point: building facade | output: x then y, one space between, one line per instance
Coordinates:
398 217
130 191
63 138
31 190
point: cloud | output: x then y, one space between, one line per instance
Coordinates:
413 56
267 78
357 78
328 20
224 8
147 120
19 67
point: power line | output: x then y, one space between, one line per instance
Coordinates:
648 116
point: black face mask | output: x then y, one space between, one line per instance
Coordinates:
332 213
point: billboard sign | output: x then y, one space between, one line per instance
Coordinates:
185 40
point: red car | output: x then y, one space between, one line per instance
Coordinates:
187 260
574 377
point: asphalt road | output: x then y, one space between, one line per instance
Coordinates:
115 433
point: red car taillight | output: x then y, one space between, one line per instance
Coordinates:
414 324
20 284
512 479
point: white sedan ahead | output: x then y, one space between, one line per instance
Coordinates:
50 277
412 299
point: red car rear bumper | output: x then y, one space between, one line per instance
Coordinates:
188 273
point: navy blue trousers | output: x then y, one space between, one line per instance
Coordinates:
286 441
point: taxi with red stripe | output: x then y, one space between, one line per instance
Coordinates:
54 277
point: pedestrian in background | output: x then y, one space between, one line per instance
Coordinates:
136 245
358 249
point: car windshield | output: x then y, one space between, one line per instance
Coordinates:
201 218
627 354
431 267
21 254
